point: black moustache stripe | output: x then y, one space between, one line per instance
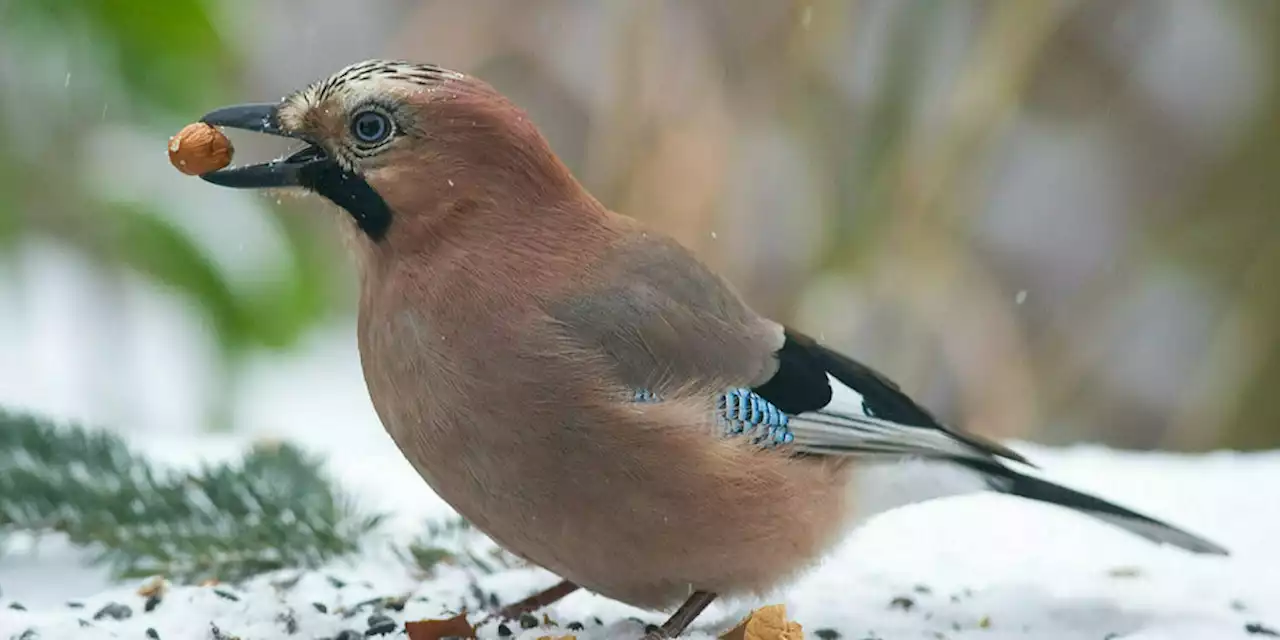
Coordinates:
352 193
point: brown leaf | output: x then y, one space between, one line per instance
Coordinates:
455 627
766 623
154 587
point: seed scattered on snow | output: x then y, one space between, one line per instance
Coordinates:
288 620
1259 629
380 625
226 595
115 611
1125 572
902 602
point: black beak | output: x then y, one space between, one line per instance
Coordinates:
311 168
285 172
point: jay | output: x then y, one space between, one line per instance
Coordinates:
580 387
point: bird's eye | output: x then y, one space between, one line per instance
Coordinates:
371 127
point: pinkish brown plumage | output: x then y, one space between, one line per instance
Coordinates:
582 388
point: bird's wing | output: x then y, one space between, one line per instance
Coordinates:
877 407
667 325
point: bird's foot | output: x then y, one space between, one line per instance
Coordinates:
541 599
683 617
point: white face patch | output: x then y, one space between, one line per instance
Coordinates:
343 92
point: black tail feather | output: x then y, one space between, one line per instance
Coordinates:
1006 480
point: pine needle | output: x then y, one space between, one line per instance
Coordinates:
273 509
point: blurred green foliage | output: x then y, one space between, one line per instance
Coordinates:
166 53
152 67
897 179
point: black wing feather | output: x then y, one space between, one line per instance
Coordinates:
800 386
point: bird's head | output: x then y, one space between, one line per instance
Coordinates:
400 146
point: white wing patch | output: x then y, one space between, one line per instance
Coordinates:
845 399
845 427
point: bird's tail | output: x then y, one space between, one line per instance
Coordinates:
1005 480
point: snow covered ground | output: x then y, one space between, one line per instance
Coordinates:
985 566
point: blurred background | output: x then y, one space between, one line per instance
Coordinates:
1054 221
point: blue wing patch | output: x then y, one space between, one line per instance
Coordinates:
745 413
741 412
644 395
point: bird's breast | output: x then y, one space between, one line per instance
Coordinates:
636 501
475 401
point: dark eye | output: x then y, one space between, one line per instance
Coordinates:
371 127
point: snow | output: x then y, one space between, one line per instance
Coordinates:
979 566
985 566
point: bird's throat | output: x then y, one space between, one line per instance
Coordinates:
351 192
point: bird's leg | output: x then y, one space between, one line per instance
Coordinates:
541 599
683 617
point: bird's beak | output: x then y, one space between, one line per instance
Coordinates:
312 169
283 172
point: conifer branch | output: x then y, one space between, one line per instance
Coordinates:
272 509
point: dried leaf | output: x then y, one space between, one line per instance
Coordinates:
455 627
766 623
153 588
